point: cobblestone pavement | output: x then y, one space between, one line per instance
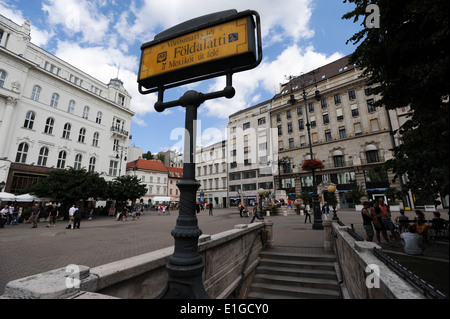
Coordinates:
25 251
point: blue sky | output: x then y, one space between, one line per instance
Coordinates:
98 36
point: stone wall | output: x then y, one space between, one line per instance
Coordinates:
144 276
358 263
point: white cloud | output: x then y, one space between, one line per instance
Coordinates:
292 61
78 16
103 63
281 20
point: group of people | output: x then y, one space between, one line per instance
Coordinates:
325 210
9 215
136 211
377 219
201 206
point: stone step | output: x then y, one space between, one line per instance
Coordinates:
296 256
287 271
297 264
265 291
320 283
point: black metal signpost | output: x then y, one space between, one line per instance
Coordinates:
219 44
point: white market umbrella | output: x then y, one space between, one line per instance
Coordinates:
7 197
25 198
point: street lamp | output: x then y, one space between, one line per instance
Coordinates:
121 149
316 205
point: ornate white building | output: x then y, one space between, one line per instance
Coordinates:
53 115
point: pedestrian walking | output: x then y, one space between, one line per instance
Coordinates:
367 221
10 214
35 215
53 215
325 211
77 219
307 214
241 209
15 216
72 211
256 214
3 216
210 209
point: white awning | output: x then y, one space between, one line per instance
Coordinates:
161 199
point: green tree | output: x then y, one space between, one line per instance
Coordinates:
148 156
406 61
70 186
126 188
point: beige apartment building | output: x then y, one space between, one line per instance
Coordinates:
348 134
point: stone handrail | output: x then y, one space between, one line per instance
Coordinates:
145 276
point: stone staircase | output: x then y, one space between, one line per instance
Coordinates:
295 276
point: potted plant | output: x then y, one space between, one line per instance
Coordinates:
312 165
357 193
392 195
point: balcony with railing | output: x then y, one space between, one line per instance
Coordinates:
119 132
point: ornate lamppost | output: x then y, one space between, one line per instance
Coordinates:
332 190
316 205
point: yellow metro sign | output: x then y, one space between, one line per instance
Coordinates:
224 45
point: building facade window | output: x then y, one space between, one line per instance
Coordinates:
36 93
29 120
92 162
22 153
61 160
78 160
98 120
66 130
43 156
342 132
95 139
49 126
291 143
370 107
82 135
86 112
71 107
301 125
2 78
326 118
355 111
337 99
372 156
54 100
352 95
113 168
